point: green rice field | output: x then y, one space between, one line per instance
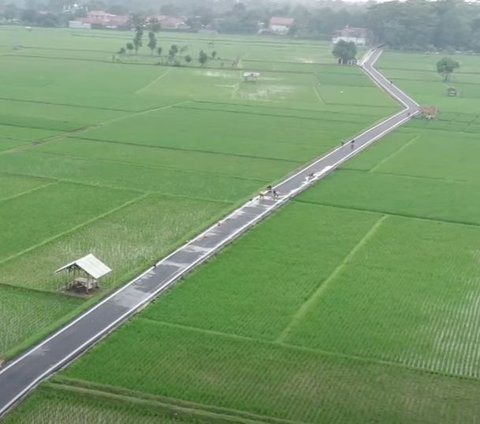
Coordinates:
127 158
356 303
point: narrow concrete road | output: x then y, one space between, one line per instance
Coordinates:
25 373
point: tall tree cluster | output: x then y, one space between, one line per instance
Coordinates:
423 25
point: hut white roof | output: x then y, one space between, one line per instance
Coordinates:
89 264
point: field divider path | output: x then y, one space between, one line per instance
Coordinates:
23 374
72 230
312 300
395 153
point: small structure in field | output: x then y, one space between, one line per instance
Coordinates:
359 36
280 25
251 76
452 92
85 274
429 112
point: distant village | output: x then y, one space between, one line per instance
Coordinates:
99 19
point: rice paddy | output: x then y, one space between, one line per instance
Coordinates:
357 303
129 158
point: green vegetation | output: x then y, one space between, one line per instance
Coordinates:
81 405
446 66
357 303
345 51
129 160
26 312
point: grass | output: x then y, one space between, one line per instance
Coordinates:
52 211
134 234
25 312
271 380
78 406
258 297
400 195
414 306
12 186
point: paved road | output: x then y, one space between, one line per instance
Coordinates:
25 373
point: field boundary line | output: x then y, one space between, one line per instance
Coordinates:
154 321
425 177
282 108
74 229
152 146
319 96
41 102
62 134
312 300
159 167
139 113
152 83
399 215
76 182
395 153
291 346
118 392
284 116
40 292
23 193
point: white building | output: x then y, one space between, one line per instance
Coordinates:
356 35
280 26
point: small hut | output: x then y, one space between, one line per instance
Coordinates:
85 273
452 92
429 112
251 76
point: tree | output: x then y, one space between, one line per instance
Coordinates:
345 51
188 59
10 11
446 66
152 41
202 58
122 51
138 39
130 47
172 52
214 55
159 51
136 20
154 25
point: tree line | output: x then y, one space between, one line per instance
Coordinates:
175 54
412 24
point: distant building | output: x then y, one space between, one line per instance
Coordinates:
172 22
78 25
100 18
280 25
251 76
356 35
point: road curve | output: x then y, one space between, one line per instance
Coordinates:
23 374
